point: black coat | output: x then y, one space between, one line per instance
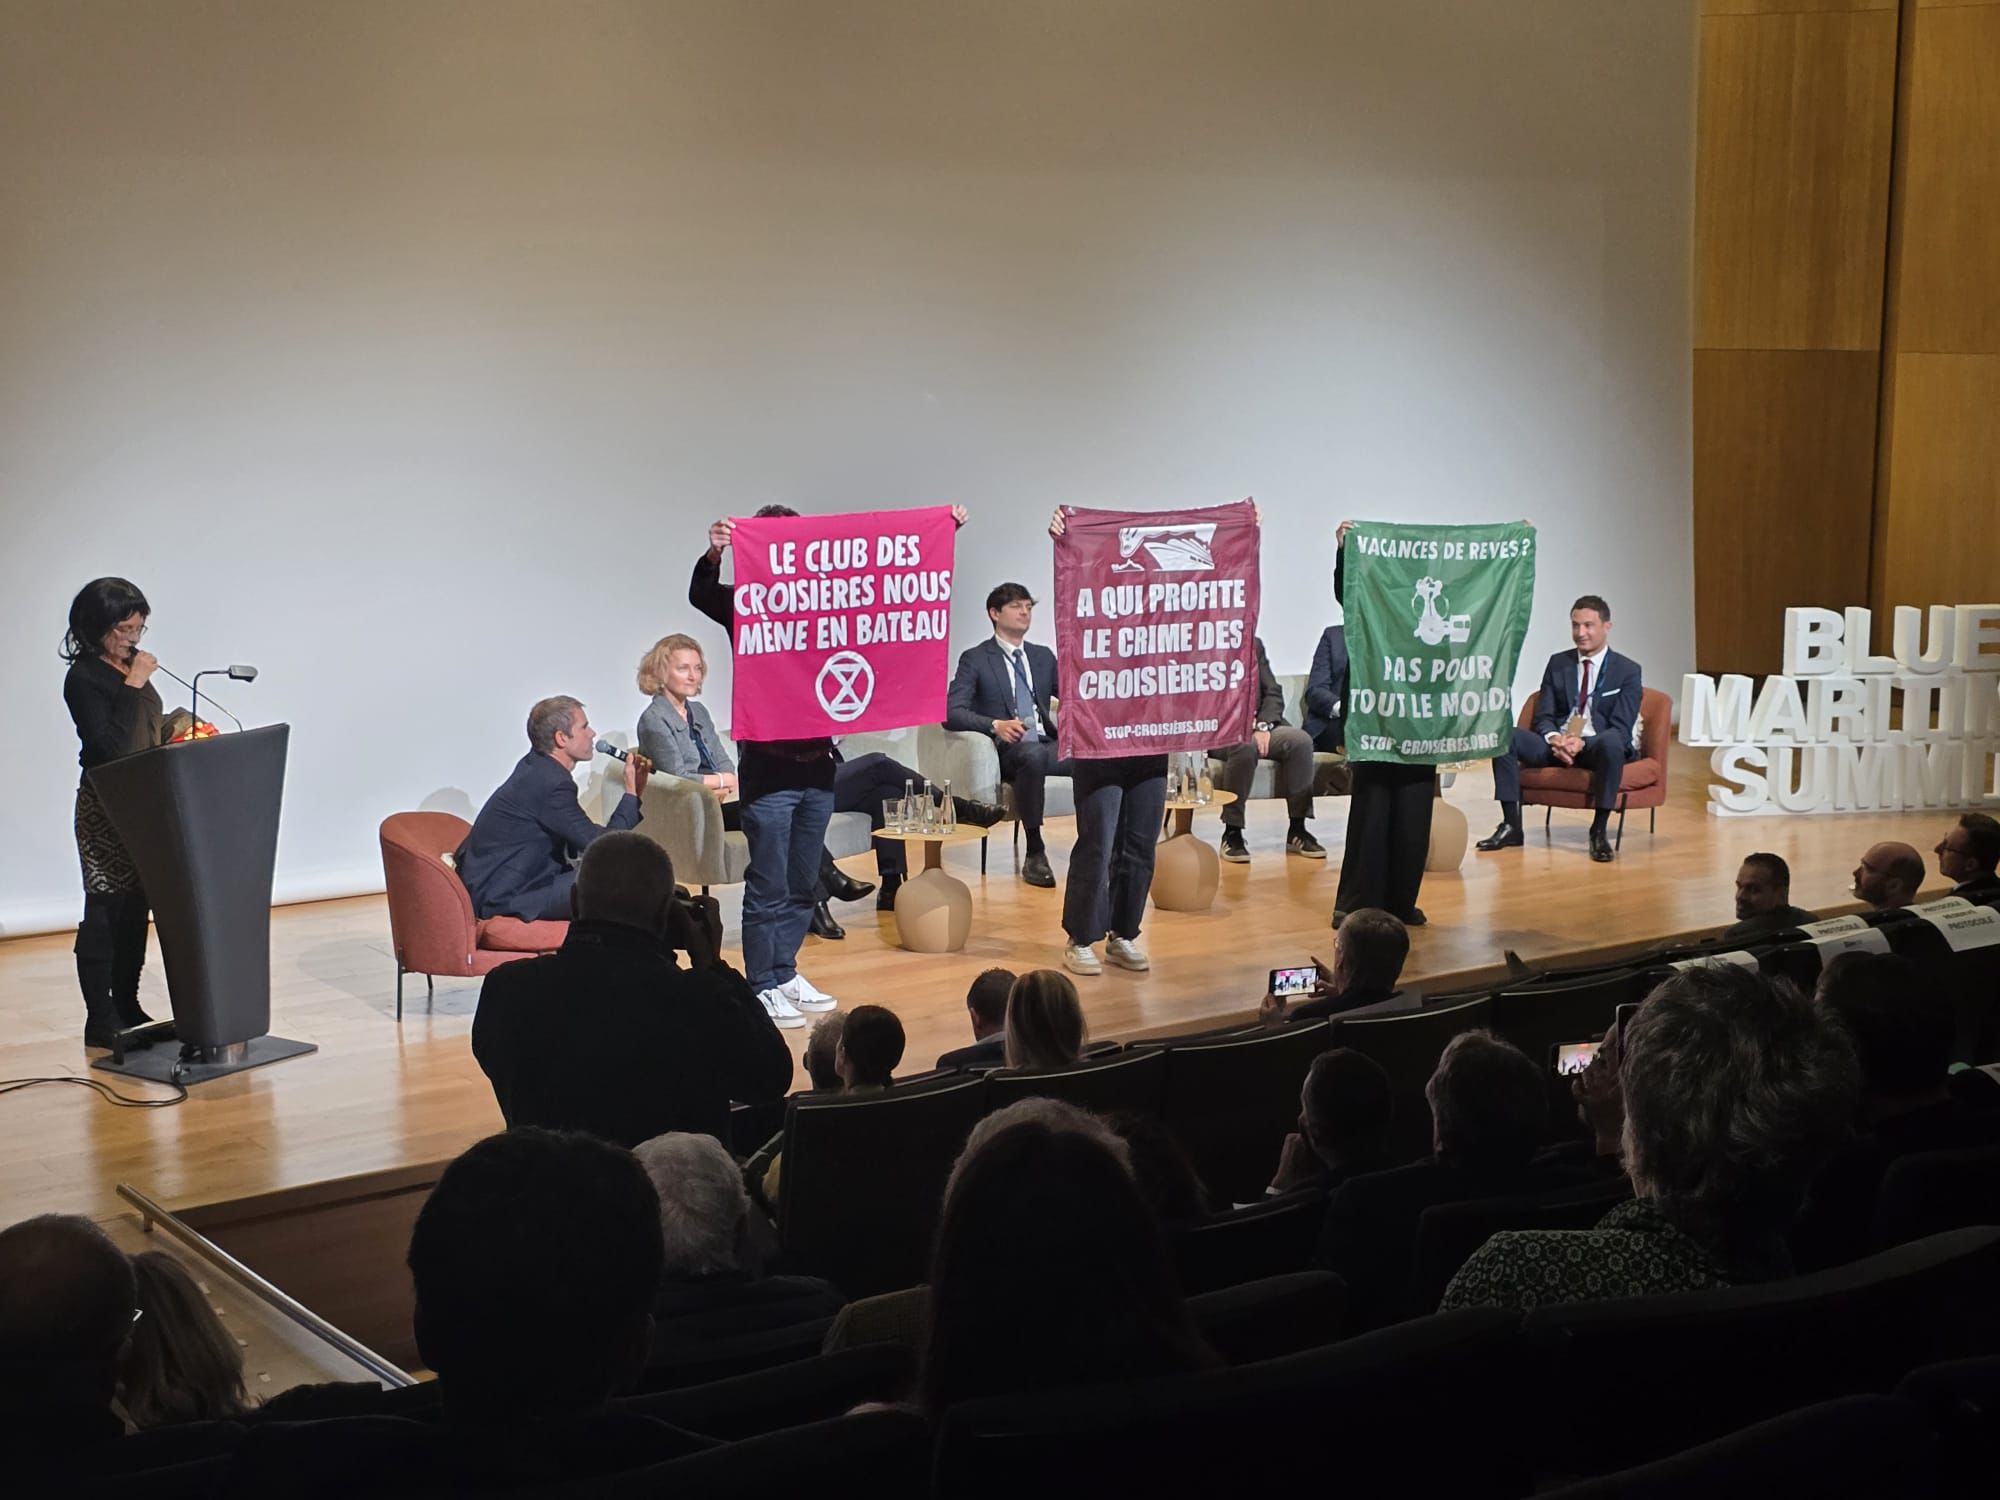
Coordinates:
1326 686
611 1035
982 688
525 836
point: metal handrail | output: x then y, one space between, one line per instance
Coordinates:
151 1213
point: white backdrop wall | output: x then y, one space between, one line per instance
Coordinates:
405 347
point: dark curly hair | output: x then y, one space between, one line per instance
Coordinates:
98 606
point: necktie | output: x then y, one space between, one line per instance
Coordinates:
1583 693
1024 695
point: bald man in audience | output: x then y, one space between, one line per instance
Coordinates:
1888 876
1968 856
67 1300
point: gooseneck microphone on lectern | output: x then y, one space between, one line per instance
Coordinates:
237 673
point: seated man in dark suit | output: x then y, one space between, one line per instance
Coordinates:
516 860
1345 1109
1902 1030
986 1006
1368 953
1490 1107
610 1034
1326 692
715 1303
1002 689
1288 749
1764 898
1584 717
1968 854
535 1262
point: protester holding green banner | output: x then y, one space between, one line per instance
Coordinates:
1435 618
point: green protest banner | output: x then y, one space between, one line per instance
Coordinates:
1435 620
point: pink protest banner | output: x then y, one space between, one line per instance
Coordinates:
1156 620
843 623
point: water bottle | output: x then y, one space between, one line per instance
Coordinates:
927 808
1204 787
947 810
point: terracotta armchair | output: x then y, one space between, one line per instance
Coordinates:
1644 783
430 915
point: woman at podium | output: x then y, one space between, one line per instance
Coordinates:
117 711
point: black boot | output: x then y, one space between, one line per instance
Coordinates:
94 949
128 957
838 884
885 899
823 925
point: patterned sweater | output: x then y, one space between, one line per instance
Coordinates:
1633 1252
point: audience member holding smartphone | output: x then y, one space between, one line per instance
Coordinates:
1368 953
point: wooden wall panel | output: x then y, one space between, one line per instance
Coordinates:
1938 533
1948 277
1793 137
1790 7
1784 462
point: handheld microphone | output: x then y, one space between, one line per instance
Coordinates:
605 747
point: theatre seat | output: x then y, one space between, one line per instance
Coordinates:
1644 783
430 915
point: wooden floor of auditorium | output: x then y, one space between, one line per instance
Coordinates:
378 1095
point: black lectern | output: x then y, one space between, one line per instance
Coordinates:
201 822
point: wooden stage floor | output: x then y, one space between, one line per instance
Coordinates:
378 1095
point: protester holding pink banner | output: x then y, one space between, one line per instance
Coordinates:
839 624
1156 619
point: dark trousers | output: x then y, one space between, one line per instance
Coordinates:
111 955
1388 836
1025 765
1120 804
1602 755
1291 753
863 785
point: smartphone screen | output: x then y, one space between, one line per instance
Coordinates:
1571 1057
1294 981
1623 1014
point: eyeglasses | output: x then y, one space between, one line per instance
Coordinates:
131 632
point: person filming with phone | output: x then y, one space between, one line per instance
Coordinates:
1368 953
614 1034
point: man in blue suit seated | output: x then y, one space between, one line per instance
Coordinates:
1326 692
1002 689
1584 718
516 860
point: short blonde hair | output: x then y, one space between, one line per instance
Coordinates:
1044 1021
653 665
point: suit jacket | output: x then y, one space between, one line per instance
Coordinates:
988 1053
525 836
1768 922
610 1035
1614 697
1370 1232
1326 688
982 689
1978 888
665 741
1270 692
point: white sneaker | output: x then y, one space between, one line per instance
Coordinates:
805 995
781 1011
1079 959
1126 953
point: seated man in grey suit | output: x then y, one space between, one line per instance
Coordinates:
1002 688
1289 750
1764 898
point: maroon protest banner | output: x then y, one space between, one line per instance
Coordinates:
1156 619
843 623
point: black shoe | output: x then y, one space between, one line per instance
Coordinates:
1233 848
1339 916
842 886
1414 917
823 925
1600 846
1506 836
107 1037
1035 870
885 899
979 814
1303 843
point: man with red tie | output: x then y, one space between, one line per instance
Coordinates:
1585 717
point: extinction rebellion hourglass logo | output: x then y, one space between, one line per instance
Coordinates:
845 686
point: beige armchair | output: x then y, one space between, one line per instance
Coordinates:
1331 776
971 763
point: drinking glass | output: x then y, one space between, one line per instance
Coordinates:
895 814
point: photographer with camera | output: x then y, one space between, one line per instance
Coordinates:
613 1034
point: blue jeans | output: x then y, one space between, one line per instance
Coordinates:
786 831
1119 806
